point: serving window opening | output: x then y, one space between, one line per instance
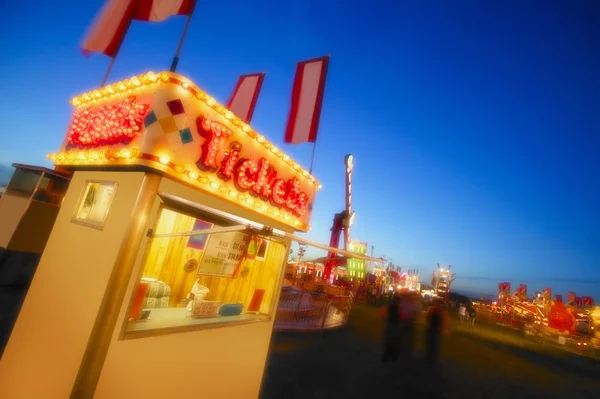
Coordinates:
200 269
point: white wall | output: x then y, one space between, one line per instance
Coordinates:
222 363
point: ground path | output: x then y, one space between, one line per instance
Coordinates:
481 362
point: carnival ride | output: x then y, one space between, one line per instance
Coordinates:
341 223
311 305
575 322
442 280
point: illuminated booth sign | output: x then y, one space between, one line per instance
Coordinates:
168 124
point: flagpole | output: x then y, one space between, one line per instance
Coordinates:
114 57
312 157
181 40
110 65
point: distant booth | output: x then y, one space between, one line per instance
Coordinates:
28 209
163 270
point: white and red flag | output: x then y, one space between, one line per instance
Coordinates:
245 95
307 100
111 24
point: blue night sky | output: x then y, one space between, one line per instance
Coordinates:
474 124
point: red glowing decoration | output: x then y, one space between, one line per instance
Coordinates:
231 158
244 173
262 188
560 318
215 134
108 124
256 176
278 195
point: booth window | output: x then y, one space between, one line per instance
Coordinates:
23 182
51 189
200 280
95 202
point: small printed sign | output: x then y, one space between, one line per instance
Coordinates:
222 254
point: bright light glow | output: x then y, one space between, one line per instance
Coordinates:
143 86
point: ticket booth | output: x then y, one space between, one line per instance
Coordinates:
163 270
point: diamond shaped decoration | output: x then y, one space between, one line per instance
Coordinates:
176 107
150 119
186 135
168 124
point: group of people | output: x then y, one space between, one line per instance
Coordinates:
401 315
467 313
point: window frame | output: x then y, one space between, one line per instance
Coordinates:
93 224
218 218
51 178
10 187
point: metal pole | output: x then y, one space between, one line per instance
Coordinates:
214 230
110 65
312 157
112 61
181 40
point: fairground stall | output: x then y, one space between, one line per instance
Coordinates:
163 270
28 209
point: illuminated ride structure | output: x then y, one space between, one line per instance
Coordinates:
575 322
317 305
442 280
341 223
516 308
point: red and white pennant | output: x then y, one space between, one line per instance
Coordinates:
245 95
111 24
307 101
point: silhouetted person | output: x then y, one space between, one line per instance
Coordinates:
472 314
411 310
462 312
436 324
392 334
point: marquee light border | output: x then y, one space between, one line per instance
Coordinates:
128 87
132 156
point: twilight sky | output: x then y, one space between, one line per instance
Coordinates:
474 125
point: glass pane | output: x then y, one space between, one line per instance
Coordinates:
95 202
204 279
23 182
51 189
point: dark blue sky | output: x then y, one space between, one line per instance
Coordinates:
475 125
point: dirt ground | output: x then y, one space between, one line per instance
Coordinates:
484 361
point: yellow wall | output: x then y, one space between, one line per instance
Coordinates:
225 362
166 256
11 210
45 349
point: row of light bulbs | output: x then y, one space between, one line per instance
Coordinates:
84 157
127 86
